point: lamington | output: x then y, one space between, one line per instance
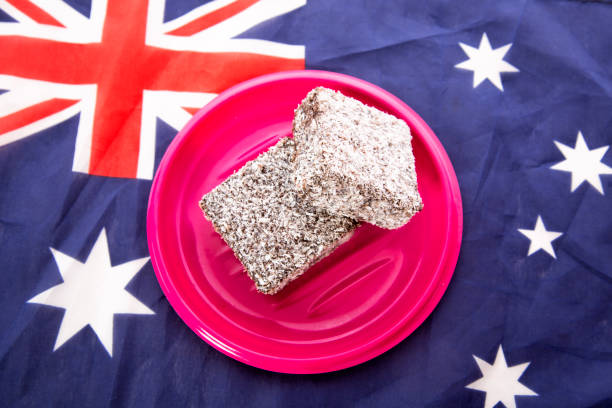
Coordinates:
275 235
354 160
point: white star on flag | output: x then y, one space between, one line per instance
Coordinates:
540 238
487 63
500 382
92 293
584 164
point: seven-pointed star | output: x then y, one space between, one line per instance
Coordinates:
500 382
487 63
540 238
584 164
92 292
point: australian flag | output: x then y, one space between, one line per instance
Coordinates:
518 92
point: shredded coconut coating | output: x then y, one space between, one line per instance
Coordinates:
275 235
354 160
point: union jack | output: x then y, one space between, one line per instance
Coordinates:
122 67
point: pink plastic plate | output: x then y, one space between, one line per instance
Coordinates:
352 306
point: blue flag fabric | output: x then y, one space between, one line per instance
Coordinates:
520 95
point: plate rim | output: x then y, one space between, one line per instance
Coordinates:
369 350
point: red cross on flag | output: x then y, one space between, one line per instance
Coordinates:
125 66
